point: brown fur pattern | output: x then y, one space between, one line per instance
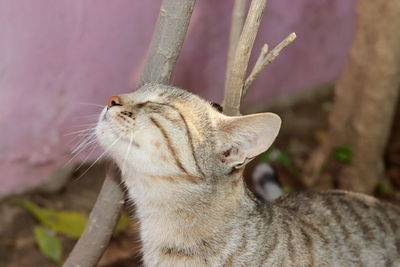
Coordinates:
182 162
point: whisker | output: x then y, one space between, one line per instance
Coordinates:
87 127
127 151
85 124
84 145
82 139
85 134
87 156
78 153
91 116
102 154
81 131
91 104
87 142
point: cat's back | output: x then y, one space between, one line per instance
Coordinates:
343 226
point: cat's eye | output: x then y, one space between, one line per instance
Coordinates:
217 107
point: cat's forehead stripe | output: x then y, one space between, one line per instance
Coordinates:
170 146
188 132
165 94
153 92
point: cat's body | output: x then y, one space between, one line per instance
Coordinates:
182 163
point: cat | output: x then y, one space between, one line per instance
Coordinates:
182 160
266 183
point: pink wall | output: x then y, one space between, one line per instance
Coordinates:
55 55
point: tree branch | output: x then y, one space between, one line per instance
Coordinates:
233 93
238 16
167 40
264 59
102 220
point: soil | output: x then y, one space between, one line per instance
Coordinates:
304 126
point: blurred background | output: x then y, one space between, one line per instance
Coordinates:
61 60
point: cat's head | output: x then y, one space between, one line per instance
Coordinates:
172 136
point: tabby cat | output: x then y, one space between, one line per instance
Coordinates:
182 162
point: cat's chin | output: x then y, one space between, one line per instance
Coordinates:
109 137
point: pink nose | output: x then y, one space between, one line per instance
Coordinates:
114 101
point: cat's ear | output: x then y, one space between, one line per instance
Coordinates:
245 137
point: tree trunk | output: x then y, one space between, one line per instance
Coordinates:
365 100
166 43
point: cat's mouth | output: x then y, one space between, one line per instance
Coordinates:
107 125
103 117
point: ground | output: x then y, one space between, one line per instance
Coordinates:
304 126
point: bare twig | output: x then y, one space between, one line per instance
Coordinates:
234 85
264 59
263 53
167 41
238 15
101 223
164 49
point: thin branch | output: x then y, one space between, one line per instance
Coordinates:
238 16
233 93
102 220
167 40
264 59
263 53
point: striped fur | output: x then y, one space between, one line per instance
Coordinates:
182 163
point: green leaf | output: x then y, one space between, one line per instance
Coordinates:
384 189
287 189
122 224
276 155
48 243
343 154
69 223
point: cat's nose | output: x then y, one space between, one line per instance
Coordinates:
114 101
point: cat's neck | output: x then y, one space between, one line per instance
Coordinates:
189 217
